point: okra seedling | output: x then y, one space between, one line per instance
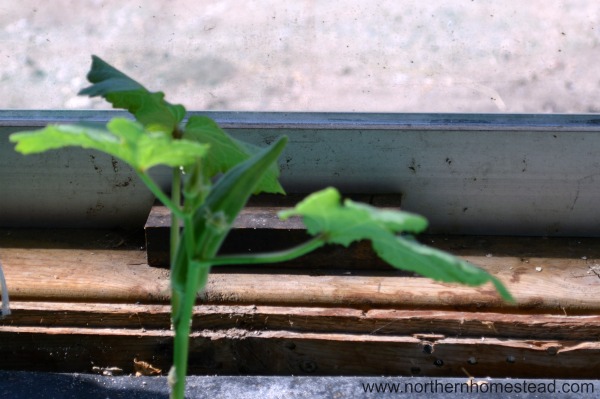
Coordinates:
213 177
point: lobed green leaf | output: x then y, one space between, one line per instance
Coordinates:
149 108
227 152
323 213
124 139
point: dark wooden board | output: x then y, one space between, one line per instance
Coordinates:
273 352
259 229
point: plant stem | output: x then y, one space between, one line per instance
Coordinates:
175 199
271 257
5 303
196 280
175 209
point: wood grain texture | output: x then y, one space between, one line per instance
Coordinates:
84 299
83 275
237 351
376 322
123 276
540 283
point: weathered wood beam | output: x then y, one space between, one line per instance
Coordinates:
560 282
377 322
237 351
84 300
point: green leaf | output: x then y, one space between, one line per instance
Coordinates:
124 139
323 213
231 192
226 152
149 108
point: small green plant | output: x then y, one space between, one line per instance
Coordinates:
213 177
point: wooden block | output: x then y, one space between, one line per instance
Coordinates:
259 229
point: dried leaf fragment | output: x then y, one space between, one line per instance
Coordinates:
144 368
